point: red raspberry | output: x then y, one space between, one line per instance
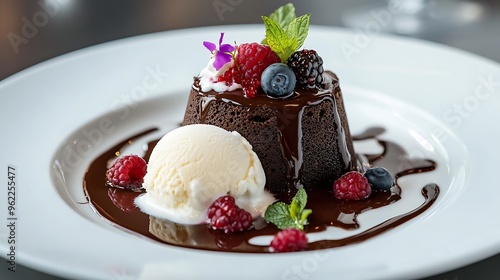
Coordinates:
289 240
352 186
251 59
226 215
127 172
229 76
123 199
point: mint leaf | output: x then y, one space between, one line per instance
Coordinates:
301 198
284 15
293 215
294 209
299 28
297 211
279 214
279 40
304 215
285 32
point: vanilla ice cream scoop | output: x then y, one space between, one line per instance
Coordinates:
193 165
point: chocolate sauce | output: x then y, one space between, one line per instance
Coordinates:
289 114
116 205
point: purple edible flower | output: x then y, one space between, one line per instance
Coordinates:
222 55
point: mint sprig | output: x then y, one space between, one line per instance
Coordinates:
279 40
299 28
285 32
284 15
289 216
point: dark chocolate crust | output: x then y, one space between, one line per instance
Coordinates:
300 141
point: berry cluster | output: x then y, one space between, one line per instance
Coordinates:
226 216
303 70
250 61
355 186
256 65
276 65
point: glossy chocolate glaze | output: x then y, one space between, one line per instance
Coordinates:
289 116
116 205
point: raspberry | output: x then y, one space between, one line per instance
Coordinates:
251 59
127 172
289 240
308 68
352 186
229 76
224 214
123 199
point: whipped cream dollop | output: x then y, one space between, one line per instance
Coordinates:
209 77
193 165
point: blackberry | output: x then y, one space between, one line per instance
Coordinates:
308 68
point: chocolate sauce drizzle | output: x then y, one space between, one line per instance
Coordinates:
116 205
289 120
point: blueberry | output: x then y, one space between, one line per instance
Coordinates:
278 80
379 178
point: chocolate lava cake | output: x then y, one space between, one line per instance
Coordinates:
301 141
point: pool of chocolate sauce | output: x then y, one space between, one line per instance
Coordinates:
116 205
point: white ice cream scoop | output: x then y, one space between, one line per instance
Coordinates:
193 165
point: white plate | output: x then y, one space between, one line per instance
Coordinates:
437 102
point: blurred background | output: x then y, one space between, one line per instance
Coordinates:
34 31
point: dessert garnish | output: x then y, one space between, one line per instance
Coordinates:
355 186
127 172
291 220
379 178
285 32
352 186
289 240
250 61
294 215
243 65
222 55
308 68
278 80
225 215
